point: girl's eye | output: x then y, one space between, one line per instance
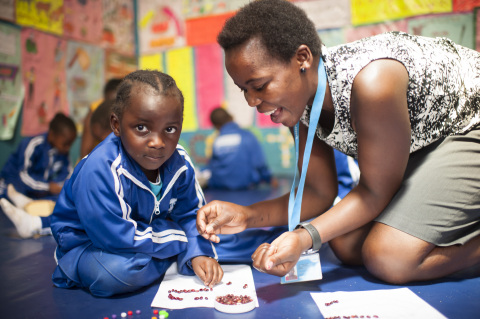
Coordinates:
171 130
141 128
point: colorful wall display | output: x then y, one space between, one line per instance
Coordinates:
85 74
160 25
327 14
179 65
209 81
11 86
204 30
199 8
372 11
7 10
44 80
83 20
118 65
119 26
458 27
46 15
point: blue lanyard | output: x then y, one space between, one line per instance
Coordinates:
295 202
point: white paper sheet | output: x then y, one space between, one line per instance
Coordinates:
392 303
238 275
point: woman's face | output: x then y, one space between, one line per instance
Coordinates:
275 88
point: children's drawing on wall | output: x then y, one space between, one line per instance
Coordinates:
160 25
83 20
118 65
118 26
85 74
43 61
198 8
11 86
458 27
46 15
7 10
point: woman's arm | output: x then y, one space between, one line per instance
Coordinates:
380 118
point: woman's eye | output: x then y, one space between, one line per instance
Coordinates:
171 130
259 88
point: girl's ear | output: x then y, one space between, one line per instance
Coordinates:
115 124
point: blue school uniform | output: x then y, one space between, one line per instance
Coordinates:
113 235
31 168
237 159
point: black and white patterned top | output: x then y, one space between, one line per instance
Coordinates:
443 91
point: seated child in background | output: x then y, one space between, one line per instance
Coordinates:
238 161
129 210
100 121
37 170
89 141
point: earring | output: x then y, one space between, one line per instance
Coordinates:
303 70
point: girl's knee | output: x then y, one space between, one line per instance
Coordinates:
105 274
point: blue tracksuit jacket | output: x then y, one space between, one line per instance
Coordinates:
108 203
237 159
33 165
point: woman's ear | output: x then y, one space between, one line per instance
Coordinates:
304 57
115 124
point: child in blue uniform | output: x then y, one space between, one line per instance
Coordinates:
37 170
237 161
129 209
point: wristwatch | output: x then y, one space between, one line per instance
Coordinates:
316 239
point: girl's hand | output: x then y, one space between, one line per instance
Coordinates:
208 270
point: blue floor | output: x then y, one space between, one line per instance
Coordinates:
26 290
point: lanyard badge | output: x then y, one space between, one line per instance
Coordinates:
308 266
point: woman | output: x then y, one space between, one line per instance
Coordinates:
406 107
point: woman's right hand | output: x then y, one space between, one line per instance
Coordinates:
219 217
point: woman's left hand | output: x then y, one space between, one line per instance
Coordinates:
280 256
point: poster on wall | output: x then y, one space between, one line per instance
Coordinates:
372 11
458 27
179 65
11 86
85 78
118 65
465 5
43 73
119 26
199 8
357 33
7 10
45 15
83 20
209 81
160 25
327 14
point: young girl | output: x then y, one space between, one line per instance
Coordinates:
129 209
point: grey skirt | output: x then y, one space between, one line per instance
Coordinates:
439 199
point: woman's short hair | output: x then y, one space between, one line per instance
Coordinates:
281 26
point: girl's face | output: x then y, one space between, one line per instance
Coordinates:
150 128
275 88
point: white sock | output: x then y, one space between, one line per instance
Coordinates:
26 224
17 198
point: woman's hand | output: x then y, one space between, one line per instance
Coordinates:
208 270
279 257
221 218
